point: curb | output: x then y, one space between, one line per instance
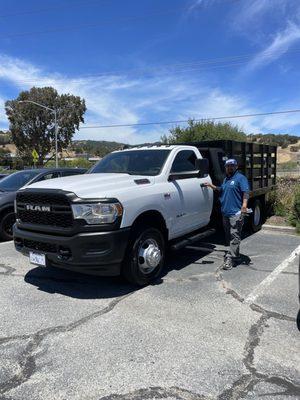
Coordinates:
280 229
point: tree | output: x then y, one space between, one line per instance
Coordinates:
4 138
204 130
32 127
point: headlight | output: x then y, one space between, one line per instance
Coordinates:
97 213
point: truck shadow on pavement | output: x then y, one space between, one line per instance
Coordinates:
72 284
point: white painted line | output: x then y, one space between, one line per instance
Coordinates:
9 241
270 278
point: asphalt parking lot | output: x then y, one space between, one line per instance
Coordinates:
198 333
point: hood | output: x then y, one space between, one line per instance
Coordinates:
94 185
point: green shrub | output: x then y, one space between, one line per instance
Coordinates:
295 215
287 166
283 197
77 163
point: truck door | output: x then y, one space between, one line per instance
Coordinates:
195 202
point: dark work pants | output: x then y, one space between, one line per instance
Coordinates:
233 229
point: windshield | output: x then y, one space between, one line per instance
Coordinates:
134 162
17 180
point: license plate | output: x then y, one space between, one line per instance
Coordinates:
37 259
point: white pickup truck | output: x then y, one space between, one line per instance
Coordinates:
118 218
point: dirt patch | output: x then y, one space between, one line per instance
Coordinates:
278 221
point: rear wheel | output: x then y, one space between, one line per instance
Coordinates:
145 256
257 216
6 225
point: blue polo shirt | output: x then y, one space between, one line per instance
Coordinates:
232 191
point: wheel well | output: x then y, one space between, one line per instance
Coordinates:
261 198
5 210
154 219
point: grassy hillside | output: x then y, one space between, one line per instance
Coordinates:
288 150
282 140
98 148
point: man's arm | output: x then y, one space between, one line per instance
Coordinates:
245 189
245 202
213 187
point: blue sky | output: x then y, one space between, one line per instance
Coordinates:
156 60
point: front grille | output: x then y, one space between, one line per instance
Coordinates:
62 220
42 198
60 214
40 246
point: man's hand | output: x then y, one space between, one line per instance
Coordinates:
210 185
244 209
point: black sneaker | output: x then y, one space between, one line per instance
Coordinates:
227 264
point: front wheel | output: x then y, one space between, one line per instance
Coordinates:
145 256
6 225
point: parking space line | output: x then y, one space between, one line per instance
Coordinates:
270 278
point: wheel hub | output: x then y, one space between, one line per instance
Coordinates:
149 256
256 215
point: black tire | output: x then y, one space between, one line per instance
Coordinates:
6 224
298 320
134 270
257 216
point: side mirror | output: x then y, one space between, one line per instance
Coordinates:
202 165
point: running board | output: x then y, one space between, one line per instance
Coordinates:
189 240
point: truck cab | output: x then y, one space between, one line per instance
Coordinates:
118 218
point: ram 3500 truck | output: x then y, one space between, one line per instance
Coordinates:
121 217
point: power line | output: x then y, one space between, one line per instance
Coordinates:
104 22
138 72
194 119
165 68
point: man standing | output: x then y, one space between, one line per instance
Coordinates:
234 195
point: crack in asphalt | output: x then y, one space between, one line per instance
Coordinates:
226 287
26 360
246 383
157 392
7 270
239 389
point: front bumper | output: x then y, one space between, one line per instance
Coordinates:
96 253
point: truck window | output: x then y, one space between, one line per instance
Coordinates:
50 175
185 161
133 162
71 173
222 159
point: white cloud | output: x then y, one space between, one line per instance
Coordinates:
3 119
196 4
254 11
280 44
215 103
122 100
282 122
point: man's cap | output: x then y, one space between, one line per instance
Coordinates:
231 161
